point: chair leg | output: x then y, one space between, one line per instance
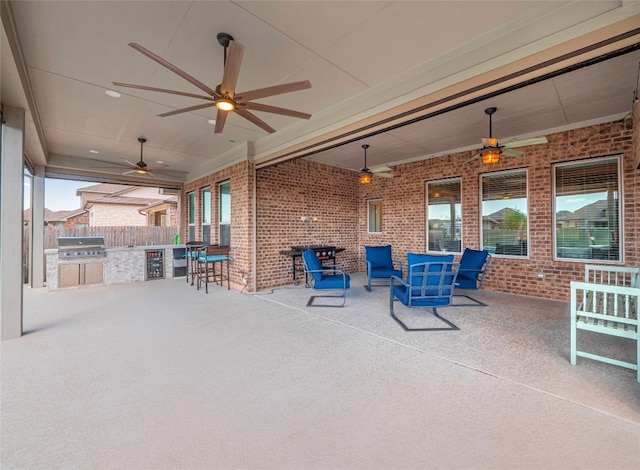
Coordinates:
451 327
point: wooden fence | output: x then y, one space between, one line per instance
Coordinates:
113 236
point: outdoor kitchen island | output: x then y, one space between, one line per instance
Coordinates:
114 265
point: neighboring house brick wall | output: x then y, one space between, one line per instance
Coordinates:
116 215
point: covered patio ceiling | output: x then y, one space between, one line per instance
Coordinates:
374 66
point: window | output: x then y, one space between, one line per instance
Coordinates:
206 216
504 213
444 215
587 209
374 215
191 215
224 190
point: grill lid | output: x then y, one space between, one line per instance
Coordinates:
80 242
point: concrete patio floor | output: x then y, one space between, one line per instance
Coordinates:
159 375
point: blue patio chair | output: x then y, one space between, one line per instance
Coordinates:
329 277
473 266
380 265
430 283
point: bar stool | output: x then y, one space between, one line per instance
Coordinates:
191 254
207 259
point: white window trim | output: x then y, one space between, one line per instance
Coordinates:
481 223
369 201
619 158
426 212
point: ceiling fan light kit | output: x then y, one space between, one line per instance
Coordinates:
224 96
224 104
366 175
491 156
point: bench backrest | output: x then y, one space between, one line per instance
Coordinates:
612 275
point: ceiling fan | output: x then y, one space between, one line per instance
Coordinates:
224 96
141 167
366 173
491 151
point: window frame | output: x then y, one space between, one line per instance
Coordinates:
206 237
223 223
618 157
481 230
378 203
427 229
191 215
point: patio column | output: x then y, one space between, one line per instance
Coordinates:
11 196
36 250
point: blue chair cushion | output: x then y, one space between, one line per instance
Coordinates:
385 272
473 259
313 263
379 256
333 281
417 258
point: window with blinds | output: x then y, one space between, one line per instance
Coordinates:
505 224
444 215
587 209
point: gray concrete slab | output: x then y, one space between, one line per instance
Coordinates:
159 375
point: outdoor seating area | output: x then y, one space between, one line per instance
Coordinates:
336 387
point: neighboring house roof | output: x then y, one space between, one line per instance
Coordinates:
121 200
104 188
171 201
26 214
61 216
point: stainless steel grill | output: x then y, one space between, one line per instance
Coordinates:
81 247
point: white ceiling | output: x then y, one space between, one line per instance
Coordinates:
362 58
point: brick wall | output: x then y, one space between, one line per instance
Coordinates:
241 178
404 207
288 191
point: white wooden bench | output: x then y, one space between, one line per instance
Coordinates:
607 302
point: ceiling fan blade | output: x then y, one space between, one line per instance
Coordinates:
186 110
273 90
254 119
526 142
489 141
221 118
232 68
383 175
476 156
173 68
163 90
276 110
133 165
511 153
380 169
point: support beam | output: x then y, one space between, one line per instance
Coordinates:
36 246
11 196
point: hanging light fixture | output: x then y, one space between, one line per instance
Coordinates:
491 155
365 173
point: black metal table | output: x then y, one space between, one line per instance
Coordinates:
324 253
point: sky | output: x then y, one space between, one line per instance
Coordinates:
59 195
